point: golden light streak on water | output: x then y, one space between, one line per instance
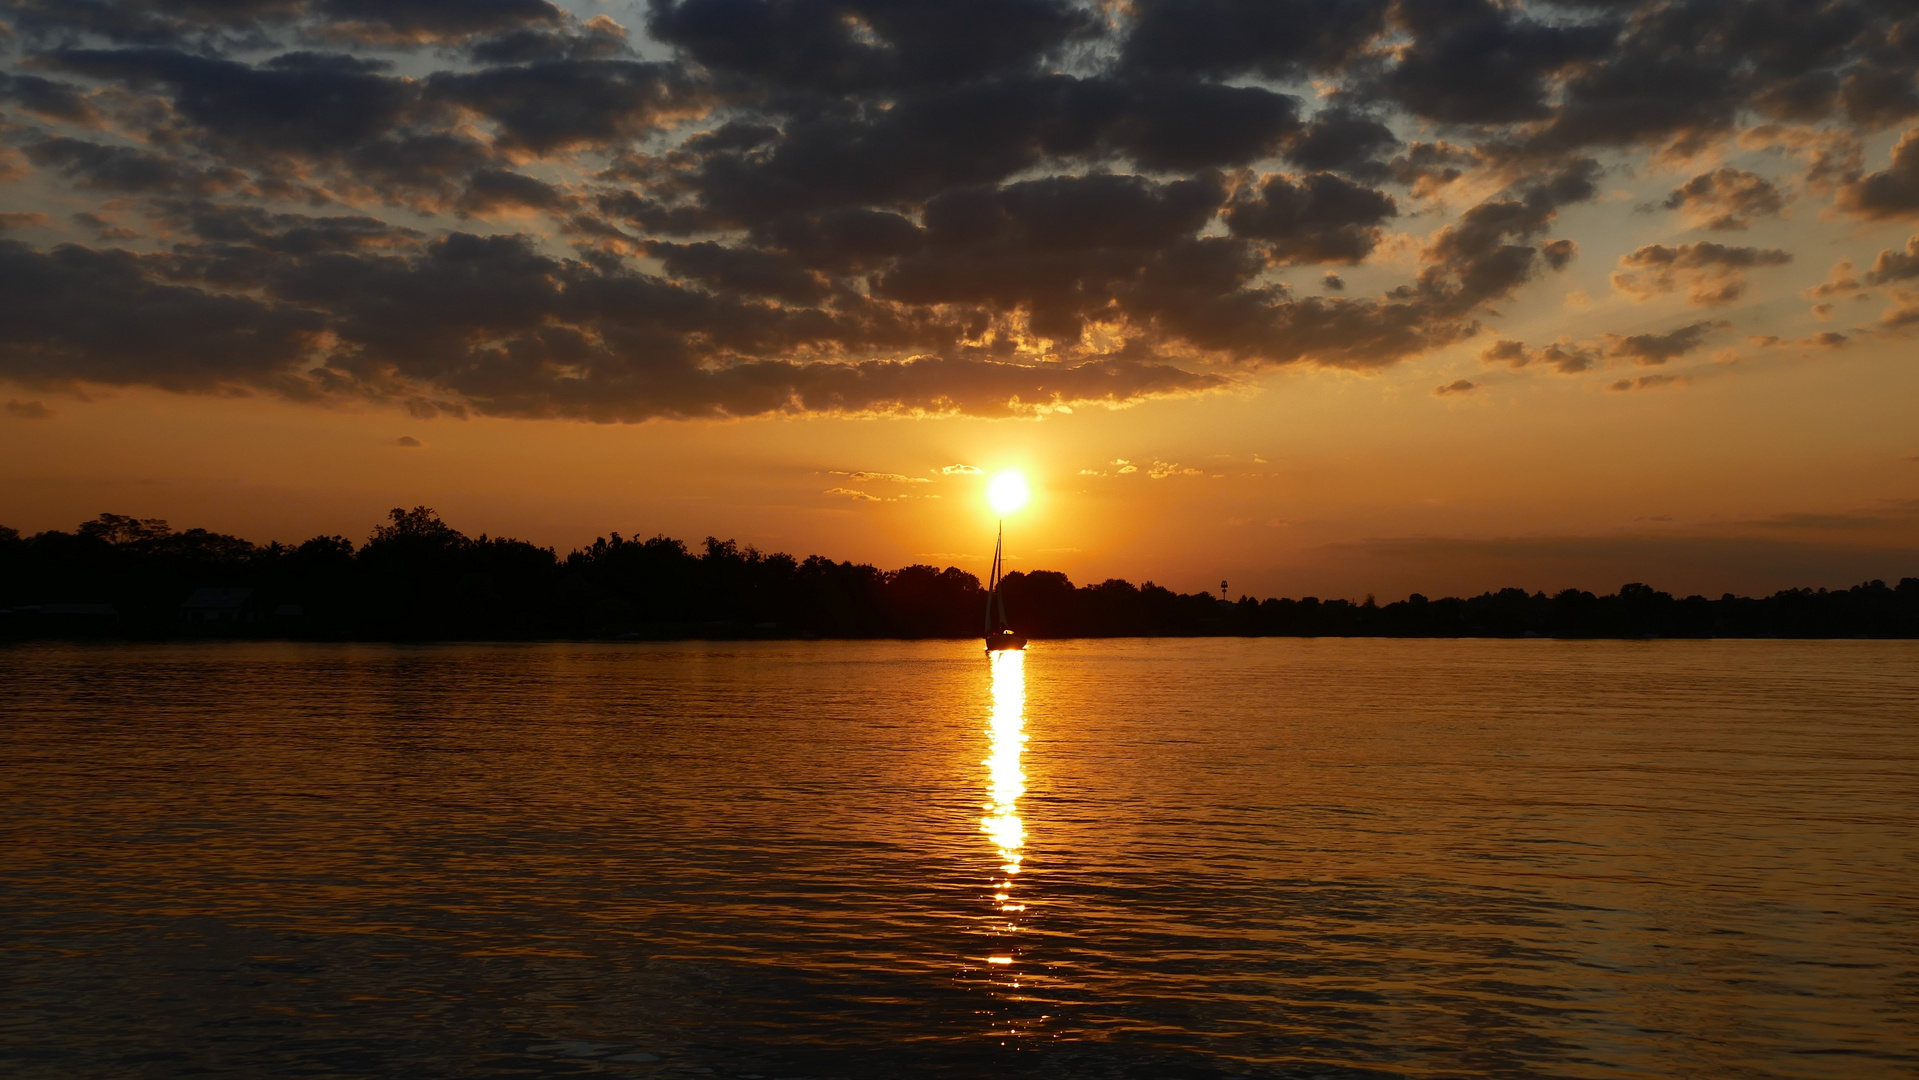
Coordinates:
1007 782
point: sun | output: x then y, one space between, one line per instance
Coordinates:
1007 492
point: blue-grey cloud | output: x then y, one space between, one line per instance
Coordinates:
738 206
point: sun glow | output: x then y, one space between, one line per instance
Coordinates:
1007 492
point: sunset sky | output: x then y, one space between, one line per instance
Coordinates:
1336 297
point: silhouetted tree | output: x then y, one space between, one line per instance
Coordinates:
418 577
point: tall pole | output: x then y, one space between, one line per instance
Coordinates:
999 572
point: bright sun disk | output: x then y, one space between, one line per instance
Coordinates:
1007 492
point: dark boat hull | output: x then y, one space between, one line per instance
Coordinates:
1005 640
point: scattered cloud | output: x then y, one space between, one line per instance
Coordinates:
961 470
1655 349
1569 357
407 440
28 410
1457 386
1712 274
856 496
1726 199
1828 339
1893 193
1648 382
1163 469
1894 264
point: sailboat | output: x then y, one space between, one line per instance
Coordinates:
999 636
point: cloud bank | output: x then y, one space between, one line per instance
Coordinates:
743 207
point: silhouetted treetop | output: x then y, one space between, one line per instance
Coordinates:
419 577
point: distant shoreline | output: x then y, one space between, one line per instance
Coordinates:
241 639
418 579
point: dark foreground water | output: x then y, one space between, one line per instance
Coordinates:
1106 859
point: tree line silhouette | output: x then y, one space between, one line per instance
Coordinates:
418 578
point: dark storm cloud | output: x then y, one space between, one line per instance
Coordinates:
512 332
494 191
744 270
98 167
48 99
77 314
303 102
1480 63
1343 141
1221 38
874 205
554 105
150 22
1316 219
852 46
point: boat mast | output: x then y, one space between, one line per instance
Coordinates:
992 587
998 596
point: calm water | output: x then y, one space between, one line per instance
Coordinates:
1113 859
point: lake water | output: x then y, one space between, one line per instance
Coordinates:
1191 858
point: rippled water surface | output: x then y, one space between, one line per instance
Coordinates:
1101 859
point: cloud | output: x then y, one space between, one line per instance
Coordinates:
1569 357
1827 340
408 440
28 410
961 470
1893 193
1712 274
1653 349
1893 264
21 219
1457 386
1726 199
856 496
1648 382
1001 208
1320 218
1564 356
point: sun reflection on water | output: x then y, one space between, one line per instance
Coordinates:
1007 782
